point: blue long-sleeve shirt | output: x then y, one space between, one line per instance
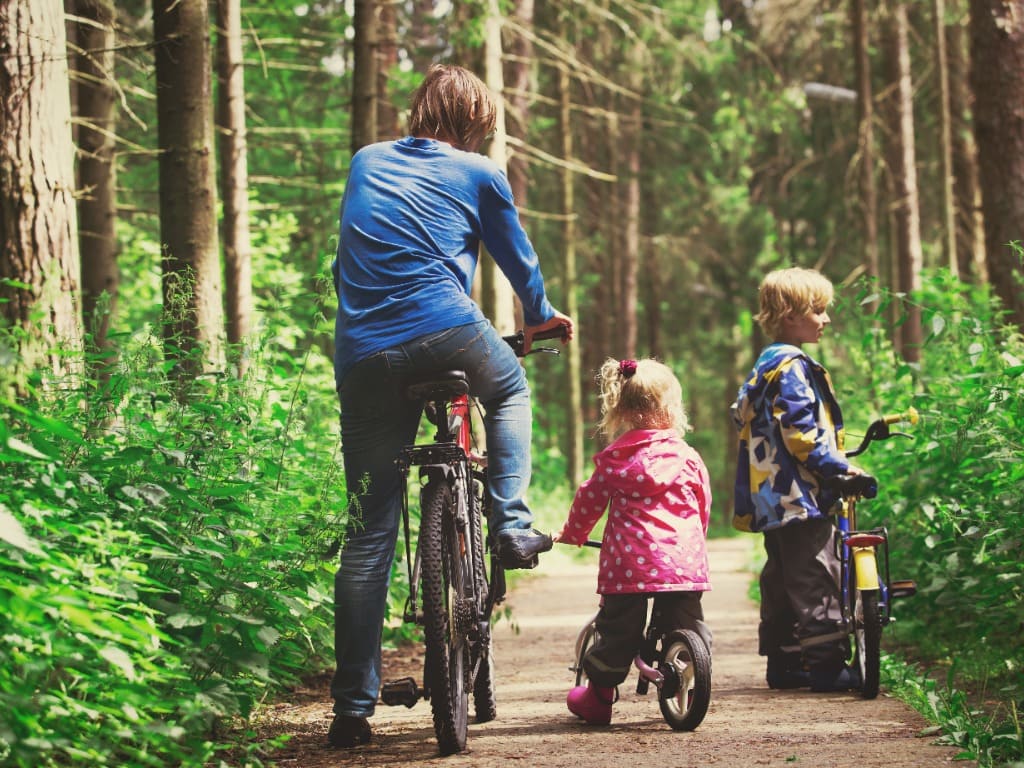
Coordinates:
413 216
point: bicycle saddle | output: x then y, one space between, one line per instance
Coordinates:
440 385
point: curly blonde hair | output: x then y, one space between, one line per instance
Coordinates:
640 394
452 104
791 291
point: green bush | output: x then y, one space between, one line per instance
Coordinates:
952 498
163 559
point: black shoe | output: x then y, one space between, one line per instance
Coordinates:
785 672
519 547
347 732
830 680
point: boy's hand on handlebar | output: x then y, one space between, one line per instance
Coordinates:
560 322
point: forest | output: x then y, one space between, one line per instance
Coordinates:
172 498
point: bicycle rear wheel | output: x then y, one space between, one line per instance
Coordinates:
684 700
447 578
867 636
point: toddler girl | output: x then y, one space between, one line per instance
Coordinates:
658 496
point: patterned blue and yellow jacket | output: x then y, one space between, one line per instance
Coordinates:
791 435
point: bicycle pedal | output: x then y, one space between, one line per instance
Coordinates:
403 691
905 588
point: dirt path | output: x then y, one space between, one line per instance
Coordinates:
747 724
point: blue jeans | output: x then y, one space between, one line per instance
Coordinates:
377 421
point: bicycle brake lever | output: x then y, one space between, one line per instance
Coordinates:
549 350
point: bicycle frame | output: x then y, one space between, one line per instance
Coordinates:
862 548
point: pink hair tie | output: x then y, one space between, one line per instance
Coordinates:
627 368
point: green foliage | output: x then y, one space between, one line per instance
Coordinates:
979 735
163 560
951 498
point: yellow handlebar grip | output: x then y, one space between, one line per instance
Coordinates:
910 416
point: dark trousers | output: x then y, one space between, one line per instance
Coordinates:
801 610
620 627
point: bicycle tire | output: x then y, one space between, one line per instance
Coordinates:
484 701
867 636
684 652
444 574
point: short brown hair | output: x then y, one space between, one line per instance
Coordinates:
791 291
452 104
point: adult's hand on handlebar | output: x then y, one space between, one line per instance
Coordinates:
559 321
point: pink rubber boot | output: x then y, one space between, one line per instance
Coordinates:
592 703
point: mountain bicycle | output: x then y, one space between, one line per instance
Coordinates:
677 663
453 589
865 584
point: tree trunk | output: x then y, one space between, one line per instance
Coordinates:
38 221
574 383
388 124
234 177
496 296
970 239
631 213
97 174
364 75
193 313
902 159
945 139
866 136
519 96
997 76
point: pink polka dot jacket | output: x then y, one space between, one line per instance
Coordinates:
658 496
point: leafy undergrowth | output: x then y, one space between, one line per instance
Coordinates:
163 561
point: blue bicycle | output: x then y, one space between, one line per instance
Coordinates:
867 589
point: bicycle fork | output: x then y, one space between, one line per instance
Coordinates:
870 572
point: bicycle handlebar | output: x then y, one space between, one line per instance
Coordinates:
518 340
864 485
879 429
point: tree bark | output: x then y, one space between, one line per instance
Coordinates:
574 383
997 77
38 221
519 96
496 296
388 124
234 177
866 136
97 170
945 139
970 239
193 313
631 212
906 204
364 75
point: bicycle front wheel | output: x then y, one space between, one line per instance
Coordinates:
586 640
483 659
447 617
867 637
686 692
